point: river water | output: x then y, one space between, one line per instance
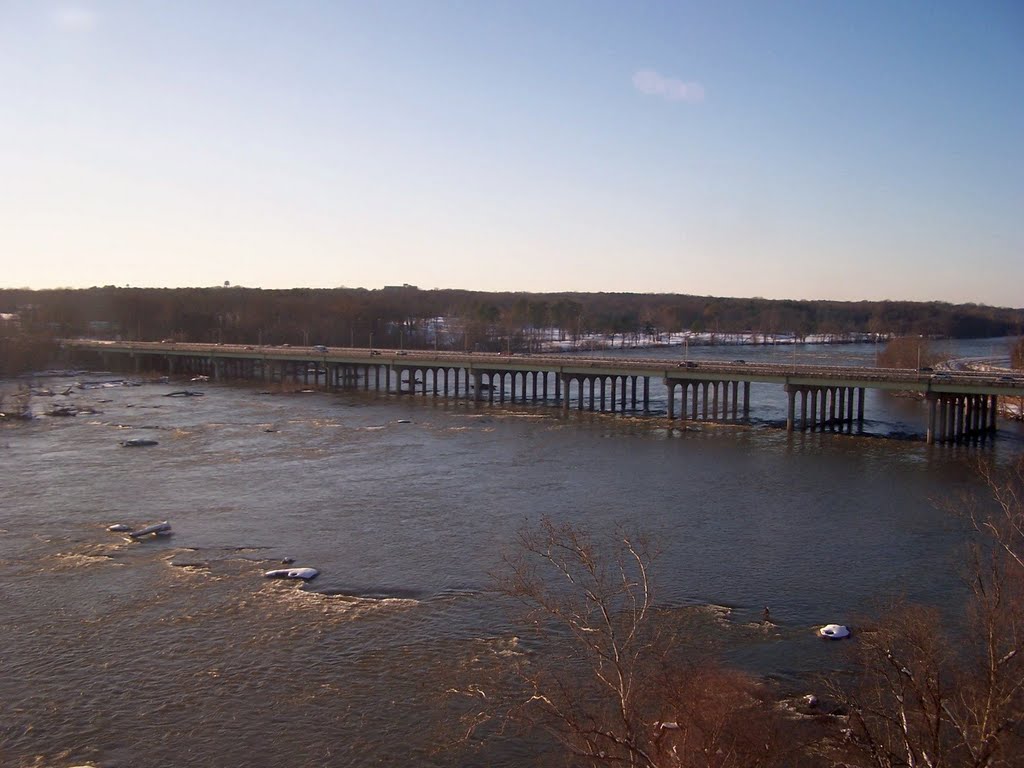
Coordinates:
178 652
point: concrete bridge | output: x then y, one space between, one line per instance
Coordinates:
961 405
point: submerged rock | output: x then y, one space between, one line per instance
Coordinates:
138 442
158 529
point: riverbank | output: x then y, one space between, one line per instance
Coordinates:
586 342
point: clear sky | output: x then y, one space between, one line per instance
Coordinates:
843 150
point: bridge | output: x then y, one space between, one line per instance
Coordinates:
961 405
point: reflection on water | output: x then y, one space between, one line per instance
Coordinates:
178 651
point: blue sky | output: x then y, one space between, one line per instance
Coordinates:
786 150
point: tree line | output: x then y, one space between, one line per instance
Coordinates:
407 316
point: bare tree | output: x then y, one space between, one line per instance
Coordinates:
934 696
609 677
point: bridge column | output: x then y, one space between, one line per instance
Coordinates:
593 392
714 399
704 404
841 408
478 386
671 386
930 434
647 393
562 391
746 400
684 387
611 399
814 408
625 387
602 381
860 409
992 409
945 419
790 408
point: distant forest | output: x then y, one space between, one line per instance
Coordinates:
406 316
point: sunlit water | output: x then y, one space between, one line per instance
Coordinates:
178 652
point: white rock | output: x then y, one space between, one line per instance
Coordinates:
834 631
293 573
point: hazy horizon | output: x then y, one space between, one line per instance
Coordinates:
807 152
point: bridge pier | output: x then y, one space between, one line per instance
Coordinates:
826 407
952 418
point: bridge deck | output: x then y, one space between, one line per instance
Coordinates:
892 379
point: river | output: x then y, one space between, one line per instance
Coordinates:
178 652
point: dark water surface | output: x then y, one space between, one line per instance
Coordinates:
177 652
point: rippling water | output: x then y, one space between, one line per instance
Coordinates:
177 651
